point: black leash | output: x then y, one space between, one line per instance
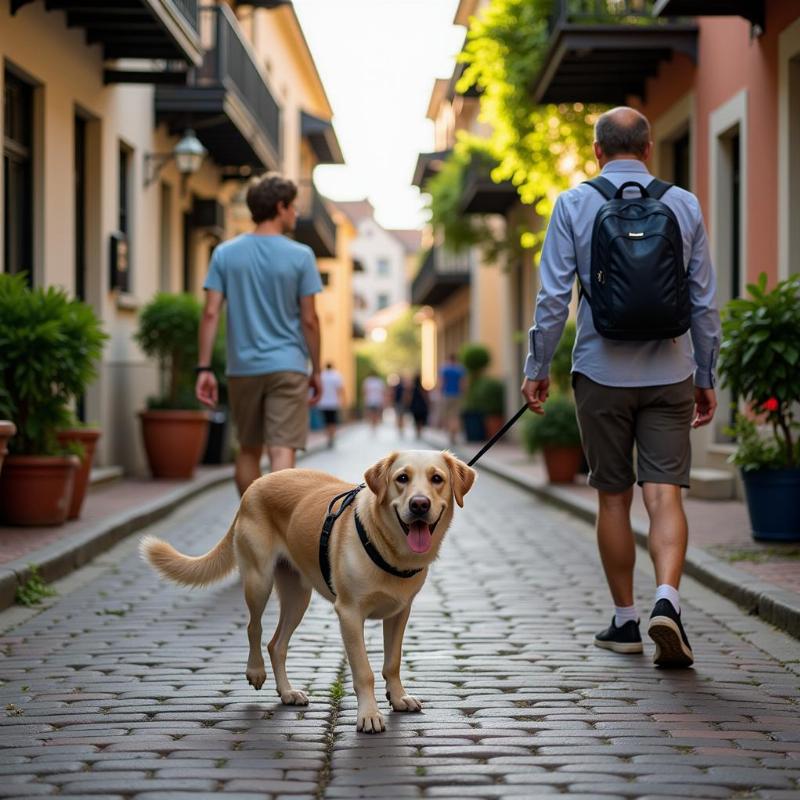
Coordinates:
502 432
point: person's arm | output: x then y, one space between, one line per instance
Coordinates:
309 322
705 327
206 387
557 269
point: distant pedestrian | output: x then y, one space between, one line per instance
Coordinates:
451 390
331 401
268 282
374 396
643 365
418 405
400 401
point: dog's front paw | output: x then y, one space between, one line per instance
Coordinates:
256 676
294 697
371 721
404 703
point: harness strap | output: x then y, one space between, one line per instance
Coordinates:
327 529
377 558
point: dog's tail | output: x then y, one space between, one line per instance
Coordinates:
190 570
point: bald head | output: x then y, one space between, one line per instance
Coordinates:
622 131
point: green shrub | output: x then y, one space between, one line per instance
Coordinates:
49 348
557 427
475 358
487 395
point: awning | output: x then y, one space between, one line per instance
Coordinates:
322 138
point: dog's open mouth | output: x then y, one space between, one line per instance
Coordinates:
419 534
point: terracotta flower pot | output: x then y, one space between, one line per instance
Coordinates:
88 438
7 430
37 490
492 424
562 463
174 441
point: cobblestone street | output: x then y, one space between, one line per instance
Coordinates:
126 686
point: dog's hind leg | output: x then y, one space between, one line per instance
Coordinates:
294 597
257 587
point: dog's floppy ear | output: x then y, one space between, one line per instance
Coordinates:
461 476
377 476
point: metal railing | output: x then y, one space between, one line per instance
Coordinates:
190 10
232 63
440 263
602 12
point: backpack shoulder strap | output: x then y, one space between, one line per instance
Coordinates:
657 188
604 186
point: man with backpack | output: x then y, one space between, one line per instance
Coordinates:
648 336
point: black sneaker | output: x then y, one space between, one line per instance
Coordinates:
625 639
665 629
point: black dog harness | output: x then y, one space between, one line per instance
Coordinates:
327 528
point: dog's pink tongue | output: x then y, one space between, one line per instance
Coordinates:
419 536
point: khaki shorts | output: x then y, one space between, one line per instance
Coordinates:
654 418
270 409
451 409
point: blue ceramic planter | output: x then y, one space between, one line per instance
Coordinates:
773 500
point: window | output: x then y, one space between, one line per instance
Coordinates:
121 251
383 300
325 277
681 164
17 176
384 267
123 224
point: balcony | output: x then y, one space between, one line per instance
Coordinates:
226 101
321 137
603 51
482 195
135 29
441 274
752 10
315 226
428 164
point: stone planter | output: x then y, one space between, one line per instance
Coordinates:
37 490
174 441
7 430
87 437
562 463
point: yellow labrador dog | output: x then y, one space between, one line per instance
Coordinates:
373 560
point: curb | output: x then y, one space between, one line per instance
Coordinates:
776 606
65 556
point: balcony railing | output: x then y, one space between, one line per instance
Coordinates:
189 9
442 273
589 12
232 63
315 226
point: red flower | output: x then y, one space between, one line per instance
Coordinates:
771 404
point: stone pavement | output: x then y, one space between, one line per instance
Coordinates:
127 687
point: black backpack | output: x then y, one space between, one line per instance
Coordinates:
639 287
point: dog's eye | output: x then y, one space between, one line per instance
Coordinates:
437 478
402 478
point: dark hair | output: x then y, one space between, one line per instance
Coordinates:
621 131
329 365
266 193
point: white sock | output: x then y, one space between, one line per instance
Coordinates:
623 614
667 592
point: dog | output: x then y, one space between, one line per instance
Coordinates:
377 558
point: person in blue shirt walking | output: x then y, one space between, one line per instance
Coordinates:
648 393
452 378
268 282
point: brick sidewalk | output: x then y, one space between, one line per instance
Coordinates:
129 688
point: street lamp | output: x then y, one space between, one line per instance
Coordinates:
188 154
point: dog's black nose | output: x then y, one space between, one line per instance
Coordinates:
419 504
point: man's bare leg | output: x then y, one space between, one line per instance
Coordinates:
669 532
280 457
616 544
247 467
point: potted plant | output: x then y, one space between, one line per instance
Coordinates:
489 398
760 362
475 358
174 426
557 435
85 436
49 346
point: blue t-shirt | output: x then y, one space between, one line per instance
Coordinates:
451 379
263 279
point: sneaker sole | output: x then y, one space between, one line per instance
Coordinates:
670 649
620 647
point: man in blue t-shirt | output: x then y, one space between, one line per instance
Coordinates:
452 376
269 283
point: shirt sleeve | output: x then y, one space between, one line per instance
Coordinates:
310 281
556 274
215 280
705 326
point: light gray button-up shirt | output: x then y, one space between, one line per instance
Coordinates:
568 248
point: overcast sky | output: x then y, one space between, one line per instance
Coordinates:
378 60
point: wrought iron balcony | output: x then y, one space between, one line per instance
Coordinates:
441 274
482 195
315 226
226 101
753 11
603 51
135 29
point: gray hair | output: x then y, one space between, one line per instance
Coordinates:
622 131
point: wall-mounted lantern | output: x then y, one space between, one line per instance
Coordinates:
188 155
